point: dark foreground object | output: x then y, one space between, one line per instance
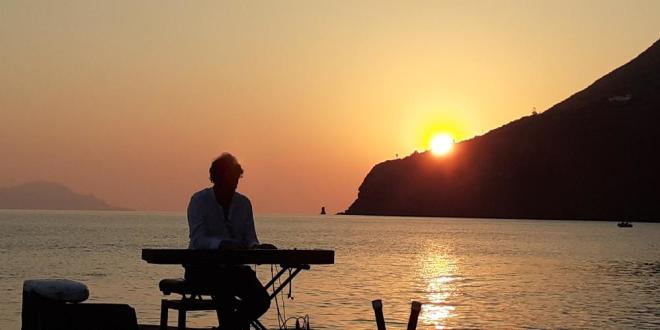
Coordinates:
56 304
156 327
378 310
415 309
44 314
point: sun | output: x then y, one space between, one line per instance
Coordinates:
441 144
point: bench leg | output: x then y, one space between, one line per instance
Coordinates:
182 319
163 315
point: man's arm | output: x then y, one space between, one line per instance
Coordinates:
199 234
251 232
253 241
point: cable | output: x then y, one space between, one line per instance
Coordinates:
290 296
282 320
277 303
304 325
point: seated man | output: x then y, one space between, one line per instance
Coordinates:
221 218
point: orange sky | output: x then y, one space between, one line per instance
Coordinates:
131 100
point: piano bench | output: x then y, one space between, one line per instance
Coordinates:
191 300
182 287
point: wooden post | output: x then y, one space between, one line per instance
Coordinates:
378 310
414 315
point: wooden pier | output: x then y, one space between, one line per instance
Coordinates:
157 327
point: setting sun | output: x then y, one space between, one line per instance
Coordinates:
441 144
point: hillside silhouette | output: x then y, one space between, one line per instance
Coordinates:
594 156
48 196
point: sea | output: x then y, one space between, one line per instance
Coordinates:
467 273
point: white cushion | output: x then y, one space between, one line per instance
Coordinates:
58 289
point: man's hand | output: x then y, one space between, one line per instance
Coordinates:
265 246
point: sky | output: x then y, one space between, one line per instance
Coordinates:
132 100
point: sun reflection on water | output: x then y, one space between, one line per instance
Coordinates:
439 275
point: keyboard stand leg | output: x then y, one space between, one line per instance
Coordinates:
288 279
277 276
257 325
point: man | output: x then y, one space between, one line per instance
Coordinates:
221 218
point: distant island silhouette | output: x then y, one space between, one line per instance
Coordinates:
43 195
593 156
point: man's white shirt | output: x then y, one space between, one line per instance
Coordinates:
208 226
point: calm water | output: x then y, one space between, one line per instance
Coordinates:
468 273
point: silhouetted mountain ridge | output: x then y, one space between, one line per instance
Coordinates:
591 156
49 196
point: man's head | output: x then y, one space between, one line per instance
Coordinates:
225 171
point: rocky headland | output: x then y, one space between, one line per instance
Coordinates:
593 156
